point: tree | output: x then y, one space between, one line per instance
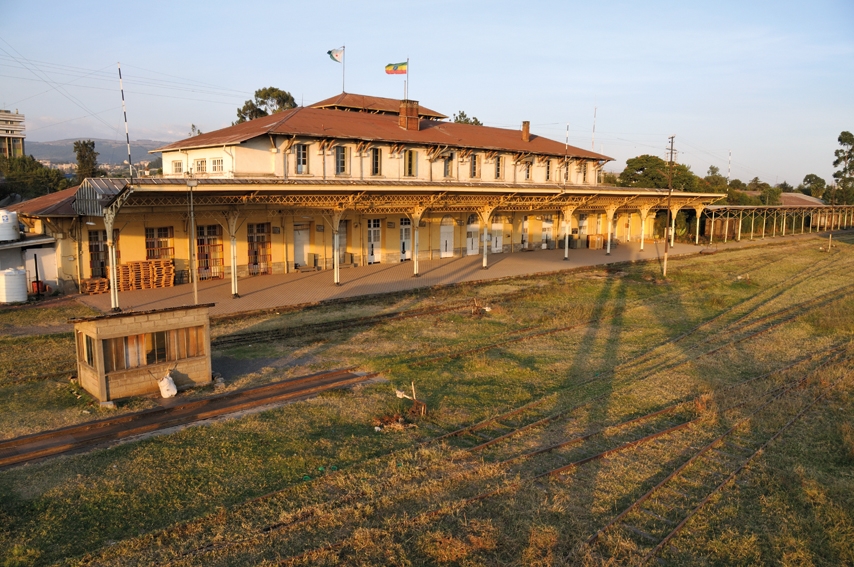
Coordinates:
814 185
844 177
87 160
786 188
738 185
27 177
714 182
461 118
652 171
267 101
195 131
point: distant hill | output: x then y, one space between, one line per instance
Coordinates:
110 151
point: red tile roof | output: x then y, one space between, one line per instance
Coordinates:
323 123
52 205
346 101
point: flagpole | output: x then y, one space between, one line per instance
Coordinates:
406 94
343 66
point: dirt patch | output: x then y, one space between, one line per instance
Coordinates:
231 368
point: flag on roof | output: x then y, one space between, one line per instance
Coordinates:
395 69
336 54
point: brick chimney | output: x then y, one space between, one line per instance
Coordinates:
526 131
408 119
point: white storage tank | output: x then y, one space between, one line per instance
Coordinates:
13 286
9 226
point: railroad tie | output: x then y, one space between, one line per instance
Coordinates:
640 532
656 516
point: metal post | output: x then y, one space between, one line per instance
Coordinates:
610 218
195 277
485 228
774 230
234 292
673 230
415 248
726 229
336 259
712 234
785 218
764 221
752 223
740 222
697 237
643 229
666 239
803 219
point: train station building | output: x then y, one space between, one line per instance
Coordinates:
350 181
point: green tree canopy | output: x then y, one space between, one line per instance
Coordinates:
267 101
738 185
652 172
714 182
844 176
785 187
461 118
814 185
87 160
27 177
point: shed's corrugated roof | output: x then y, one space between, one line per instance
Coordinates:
57 204
371 104
323 123
791 199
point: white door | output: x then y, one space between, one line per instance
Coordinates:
548 229
472 236
301 243
446 238
582 226
525 232
46 260
405 239
374 236
342 241
497 237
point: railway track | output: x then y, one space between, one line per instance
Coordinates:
482 444
238 339
91 434
649 430
655 518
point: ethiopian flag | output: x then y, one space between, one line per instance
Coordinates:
395 69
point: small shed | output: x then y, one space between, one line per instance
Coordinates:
122 355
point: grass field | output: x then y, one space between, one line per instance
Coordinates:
313 483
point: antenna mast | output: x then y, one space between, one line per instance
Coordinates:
124 110
593 141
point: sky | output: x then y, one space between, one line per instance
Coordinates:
770 82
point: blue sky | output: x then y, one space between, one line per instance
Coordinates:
770 81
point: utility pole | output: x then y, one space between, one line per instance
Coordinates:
729 167
669 196
193 275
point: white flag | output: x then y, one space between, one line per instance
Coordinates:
336 54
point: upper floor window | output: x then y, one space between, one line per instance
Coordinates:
216 165
411 167
302 158
474 171
376 161
584 172
448 164
201 165
340 160
548 170
178 166
498 172
527 166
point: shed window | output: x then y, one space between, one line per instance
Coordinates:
135 351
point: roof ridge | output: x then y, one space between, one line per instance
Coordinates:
285 119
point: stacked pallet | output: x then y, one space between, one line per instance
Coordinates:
162 273
148 274
94 286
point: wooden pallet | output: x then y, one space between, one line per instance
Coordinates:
94 286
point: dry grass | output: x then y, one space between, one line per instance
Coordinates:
380 483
